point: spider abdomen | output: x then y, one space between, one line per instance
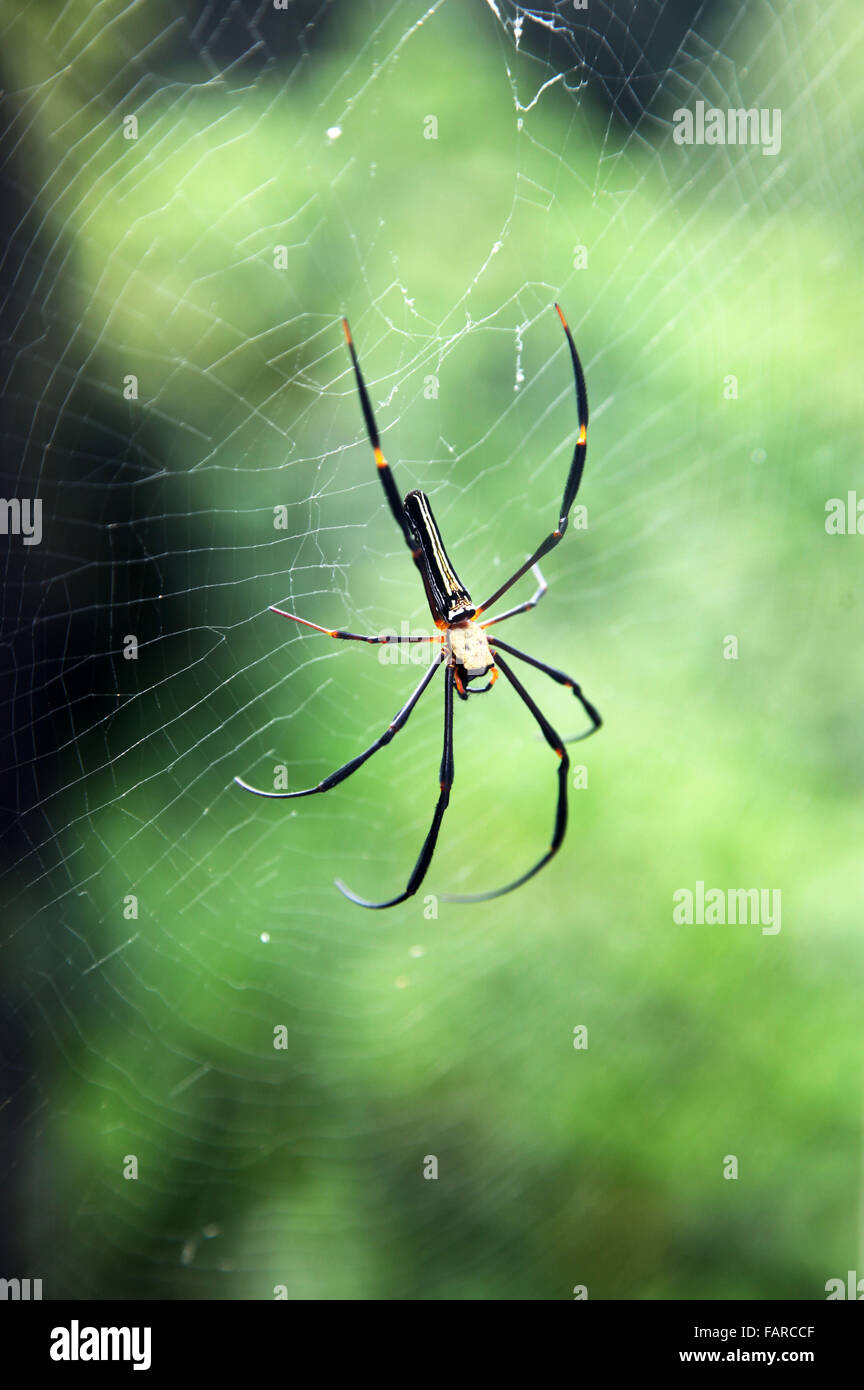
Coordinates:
449 600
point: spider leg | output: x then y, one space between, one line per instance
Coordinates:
446 782
542 588
350 636
346 770
574 477
557 745
562 679
390 490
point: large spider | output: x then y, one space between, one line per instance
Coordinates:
467 654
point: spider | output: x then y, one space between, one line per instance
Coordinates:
467 654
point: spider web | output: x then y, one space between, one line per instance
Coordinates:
178 396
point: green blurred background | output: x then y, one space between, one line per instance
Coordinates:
410 1034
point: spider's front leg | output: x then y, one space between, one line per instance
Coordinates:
574 477
542 588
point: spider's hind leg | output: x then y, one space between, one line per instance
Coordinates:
445 783
556 743
561 678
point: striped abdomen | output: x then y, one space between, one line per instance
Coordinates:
449 600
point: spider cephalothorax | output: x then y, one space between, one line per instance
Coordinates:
466 653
